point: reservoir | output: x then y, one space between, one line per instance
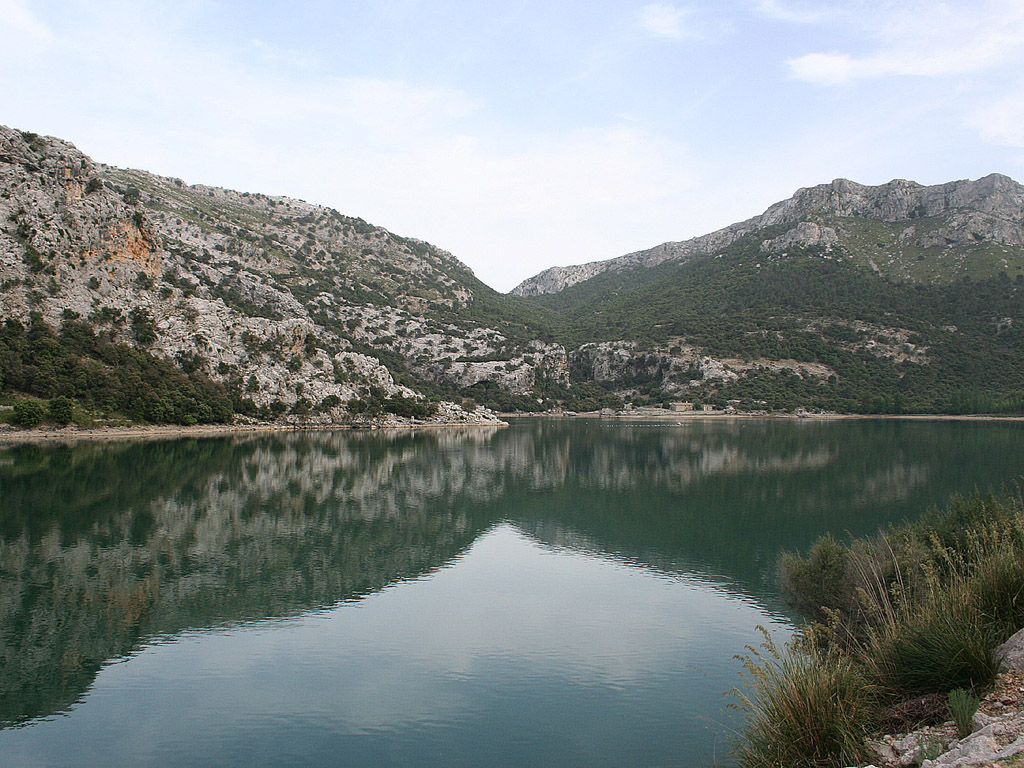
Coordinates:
560 592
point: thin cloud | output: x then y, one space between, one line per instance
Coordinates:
664 20
922 41
17 18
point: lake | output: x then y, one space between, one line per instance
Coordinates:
557 592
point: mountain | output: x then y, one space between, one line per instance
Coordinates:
845 297
127 295
294 310
900 229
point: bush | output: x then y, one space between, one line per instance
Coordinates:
817 583
28 413
60 410
142 326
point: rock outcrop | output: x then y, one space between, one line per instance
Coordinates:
996 740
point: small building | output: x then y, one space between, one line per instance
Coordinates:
708 408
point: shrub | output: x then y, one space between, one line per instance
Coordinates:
32 258
60 410
819 582
28 413
142 326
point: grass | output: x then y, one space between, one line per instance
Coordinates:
803 709
962 706
911 612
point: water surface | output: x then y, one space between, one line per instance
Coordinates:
553 593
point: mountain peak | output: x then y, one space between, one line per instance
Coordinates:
994 205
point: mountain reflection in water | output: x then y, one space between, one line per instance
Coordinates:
104 546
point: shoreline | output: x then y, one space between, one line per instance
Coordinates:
151 431
155 431
700 416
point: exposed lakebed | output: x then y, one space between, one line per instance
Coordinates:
558 592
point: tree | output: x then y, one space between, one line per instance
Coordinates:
142 327
60 410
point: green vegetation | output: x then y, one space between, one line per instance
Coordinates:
28 413
376 403
75 365
803 711
962 706
911 612
745 306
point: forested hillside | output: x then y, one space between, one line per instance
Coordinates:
873 344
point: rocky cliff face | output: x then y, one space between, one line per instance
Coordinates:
294 300
957 214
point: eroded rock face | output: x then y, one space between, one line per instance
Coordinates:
270 292
989 209
804 234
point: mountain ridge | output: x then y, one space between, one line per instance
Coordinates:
138 296
997 202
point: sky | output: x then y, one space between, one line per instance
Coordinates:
525 134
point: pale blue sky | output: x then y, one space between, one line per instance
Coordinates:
526 134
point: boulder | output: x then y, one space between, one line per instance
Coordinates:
1010 655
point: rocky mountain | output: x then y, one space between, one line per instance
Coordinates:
294 307
130 295
900 229
845 297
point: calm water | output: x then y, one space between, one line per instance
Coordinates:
564 593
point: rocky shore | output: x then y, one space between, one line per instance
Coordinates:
482 418
997 736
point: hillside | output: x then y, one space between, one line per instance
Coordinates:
127 295
292 309
899 298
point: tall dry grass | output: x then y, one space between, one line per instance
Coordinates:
802 709
913 611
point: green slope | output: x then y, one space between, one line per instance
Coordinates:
811 308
